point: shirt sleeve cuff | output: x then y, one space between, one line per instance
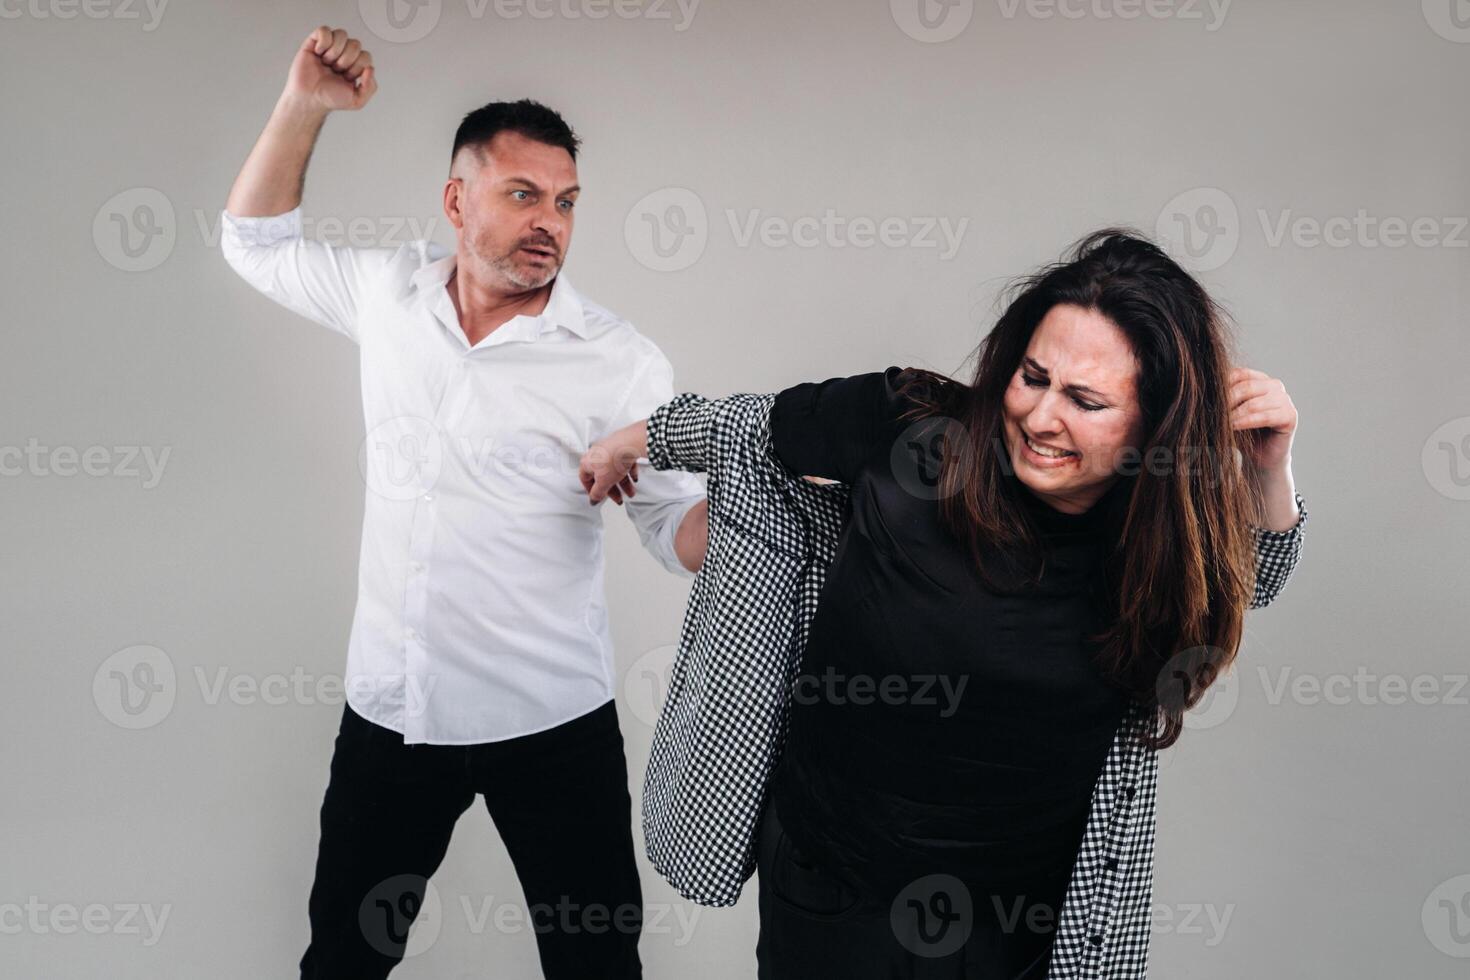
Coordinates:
260 231
1291 532
678 433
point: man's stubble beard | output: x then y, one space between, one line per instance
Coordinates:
506 270
512 274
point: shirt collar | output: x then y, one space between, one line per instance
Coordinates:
563 307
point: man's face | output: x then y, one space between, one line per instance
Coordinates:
513 210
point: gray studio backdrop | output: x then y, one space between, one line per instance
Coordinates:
774 192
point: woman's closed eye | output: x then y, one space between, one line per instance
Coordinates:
1038 383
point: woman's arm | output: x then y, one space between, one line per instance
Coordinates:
1260 406
829 429
609 468
1277 553
1278 493
676 436
822 429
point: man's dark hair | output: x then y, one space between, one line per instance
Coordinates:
526 116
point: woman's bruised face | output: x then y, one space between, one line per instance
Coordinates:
1071 408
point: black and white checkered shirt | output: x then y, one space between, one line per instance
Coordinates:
772 536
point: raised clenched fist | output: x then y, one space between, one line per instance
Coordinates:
332 71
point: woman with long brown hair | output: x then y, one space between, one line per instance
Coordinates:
1023 559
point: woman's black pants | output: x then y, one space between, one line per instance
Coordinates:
814 926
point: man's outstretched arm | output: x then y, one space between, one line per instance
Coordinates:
261 227
331 71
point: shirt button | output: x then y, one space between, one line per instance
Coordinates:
408 632
428 498
416 566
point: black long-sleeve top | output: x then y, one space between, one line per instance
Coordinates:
980 759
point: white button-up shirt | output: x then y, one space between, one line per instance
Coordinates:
480 609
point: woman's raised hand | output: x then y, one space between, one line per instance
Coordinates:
1259 402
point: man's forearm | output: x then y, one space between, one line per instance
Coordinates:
274 175
691 540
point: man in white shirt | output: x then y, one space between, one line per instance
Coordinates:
480 659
